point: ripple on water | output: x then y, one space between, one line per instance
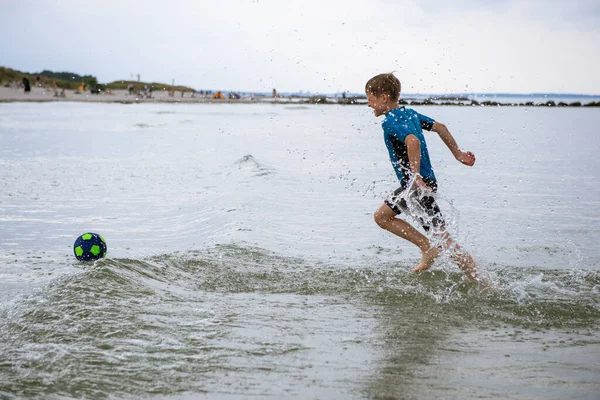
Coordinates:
186 319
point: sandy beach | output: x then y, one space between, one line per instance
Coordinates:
40 94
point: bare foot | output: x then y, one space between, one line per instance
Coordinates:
428 258
465 263
485 284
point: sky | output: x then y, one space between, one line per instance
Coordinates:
321 46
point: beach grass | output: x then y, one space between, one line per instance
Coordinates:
8 75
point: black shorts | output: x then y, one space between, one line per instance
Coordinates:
421 206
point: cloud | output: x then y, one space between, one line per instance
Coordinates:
435 46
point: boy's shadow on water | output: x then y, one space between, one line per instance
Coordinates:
431 330
415 324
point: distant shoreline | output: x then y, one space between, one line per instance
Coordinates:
40 94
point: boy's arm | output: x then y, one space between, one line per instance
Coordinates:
465 157
413 148
393 158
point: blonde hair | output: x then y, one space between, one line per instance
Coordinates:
384 84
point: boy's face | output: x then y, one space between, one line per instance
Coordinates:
379 104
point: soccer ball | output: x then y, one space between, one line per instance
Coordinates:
89 246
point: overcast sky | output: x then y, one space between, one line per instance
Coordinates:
434 46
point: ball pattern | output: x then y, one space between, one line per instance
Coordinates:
89 246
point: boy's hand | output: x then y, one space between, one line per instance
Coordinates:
421 183
466 157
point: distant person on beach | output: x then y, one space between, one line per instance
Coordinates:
26 85
405 142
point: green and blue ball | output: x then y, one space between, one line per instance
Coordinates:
89 246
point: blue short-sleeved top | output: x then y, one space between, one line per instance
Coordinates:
397 125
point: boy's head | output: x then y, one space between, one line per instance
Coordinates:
383 91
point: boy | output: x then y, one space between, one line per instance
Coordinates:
403 135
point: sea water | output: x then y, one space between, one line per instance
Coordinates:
244 261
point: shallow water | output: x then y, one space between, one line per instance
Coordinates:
243 258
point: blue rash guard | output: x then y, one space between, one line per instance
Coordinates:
397 125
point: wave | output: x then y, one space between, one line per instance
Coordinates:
175 313
516 295
249 163
142 125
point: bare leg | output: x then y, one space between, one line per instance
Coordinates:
385 217
465 261
460 256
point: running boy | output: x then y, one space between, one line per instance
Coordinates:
403 135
